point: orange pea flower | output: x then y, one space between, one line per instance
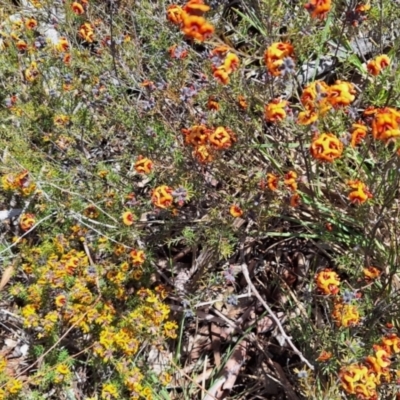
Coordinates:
275 110
21 45
379 63
138 257
60 301
341 94
31 73
86 32
371 273
326 147
197 135
295 200
231 63
203 154
346 315
242 102
315 101
393 341
221 75
290 180
62 45
161 196
143 165
360 194
324 356
357 379
359 131
274 56
174 14
382 354
222 138
318 8
30 23
272 182
313 93
195 27
91 212
236 211
212 104
385 125
77 8
220 50
351 374
67 59
26 222
128 218
195 7
61 120
307 117
327 282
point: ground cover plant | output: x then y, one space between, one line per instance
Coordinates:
199 200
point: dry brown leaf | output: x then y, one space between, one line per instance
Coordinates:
7 274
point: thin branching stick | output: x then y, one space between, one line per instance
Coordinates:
274 317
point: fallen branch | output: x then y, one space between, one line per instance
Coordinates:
274 317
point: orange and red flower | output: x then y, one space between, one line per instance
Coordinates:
231 63
143 165
203 153
21 45
236 211
30 23
26 222
161 196
307 117
222 138
359 131
138 257
212 104
327 282
290 180
275 55
379 63
77 8
346 315
197 135
385 123
221 75
242 102
341 93
371 273
86 32
272 181
62 45
195 27
318 8
128 218
326 147
360 194
195 7
275 110
32 72
174 14
295 200
324 356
